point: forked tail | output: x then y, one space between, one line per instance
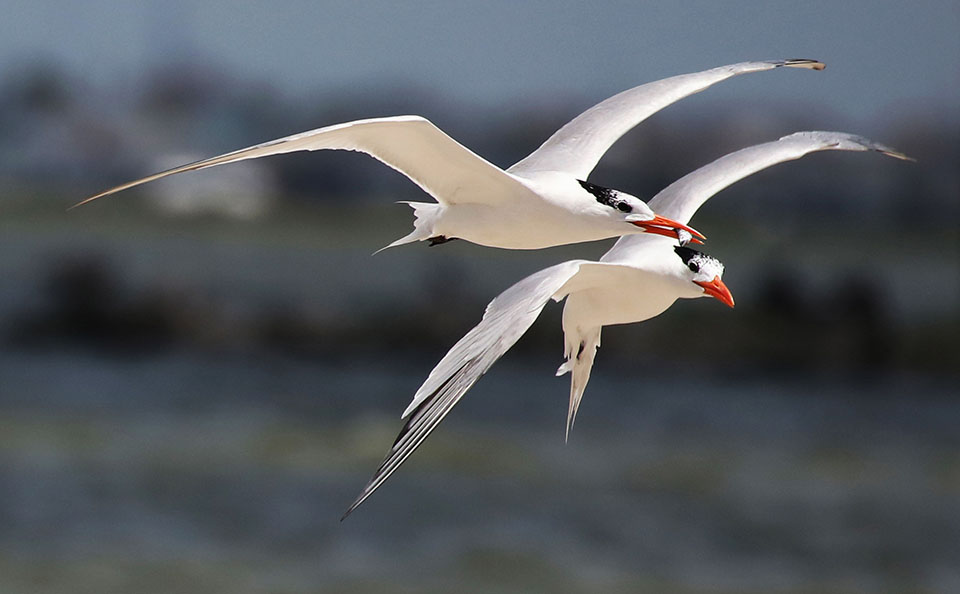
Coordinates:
580 350
425 215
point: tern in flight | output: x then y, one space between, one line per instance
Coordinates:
637 279
543 200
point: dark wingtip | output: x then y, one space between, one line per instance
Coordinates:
367 492
897 155
82 202
884 149
802 63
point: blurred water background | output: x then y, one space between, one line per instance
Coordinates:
196 378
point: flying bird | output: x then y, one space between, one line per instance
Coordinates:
543 200
637 279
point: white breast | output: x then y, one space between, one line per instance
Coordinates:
630 296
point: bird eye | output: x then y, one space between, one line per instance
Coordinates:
693 266
624 207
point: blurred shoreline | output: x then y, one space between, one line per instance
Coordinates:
193 470
113 277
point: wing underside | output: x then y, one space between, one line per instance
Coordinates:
577 147
506 319
412 145
681 199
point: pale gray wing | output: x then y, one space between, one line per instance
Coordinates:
412 145
681 199
577 147
506 319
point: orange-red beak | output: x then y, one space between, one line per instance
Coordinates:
717 290
668 228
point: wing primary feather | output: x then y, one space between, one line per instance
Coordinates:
681 199
577 146
425 418
506 319
801 63
412 145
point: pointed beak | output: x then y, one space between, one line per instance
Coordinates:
668 228
717 290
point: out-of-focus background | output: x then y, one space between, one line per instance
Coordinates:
198 376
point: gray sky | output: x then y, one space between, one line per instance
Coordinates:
883 57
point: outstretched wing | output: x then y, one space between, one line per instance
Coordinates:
577 147
506 319
681 199
412 145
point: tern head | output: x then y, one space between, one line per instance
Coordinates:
705 272
630 209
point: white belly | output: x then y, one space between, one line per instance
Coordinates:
630 296
521 226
